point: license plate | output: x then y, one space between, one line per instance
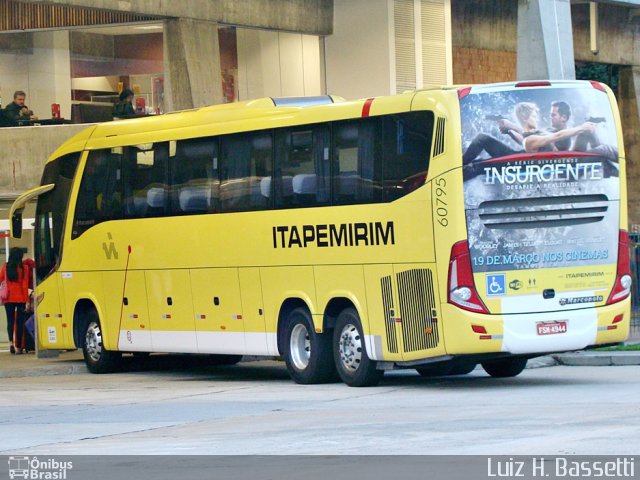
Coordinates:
551 328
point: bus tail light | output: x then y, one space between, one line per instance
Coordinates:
461 289
463 92
622 287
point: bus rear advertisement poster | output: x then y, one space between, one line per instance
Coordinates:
539 171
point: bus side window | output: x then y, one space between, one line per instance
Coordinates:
246 160
145 180
407 147
100 194
358 162
301 178
195 180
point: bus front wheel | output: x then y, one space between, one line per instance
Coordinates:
96 357
505 367
354 366
307 353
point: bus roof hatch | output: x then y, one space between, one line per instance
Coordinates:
305 101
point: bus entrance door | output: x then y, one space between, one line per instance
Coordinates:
49 313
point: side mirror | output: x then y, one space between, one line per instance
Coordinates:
16 225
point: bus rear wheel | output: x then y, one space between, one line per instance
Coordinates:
307 353
96 357
354 366
505 367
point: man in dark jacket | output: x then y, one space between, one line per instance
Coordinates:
17 110
5 121
124 108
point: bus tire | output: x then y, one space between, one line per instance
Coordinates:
353 364
505 367
96 357
307 353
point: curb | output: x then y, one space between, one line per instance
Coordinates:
542 362
598 359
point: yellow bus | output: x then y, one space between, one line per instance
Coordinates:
434 230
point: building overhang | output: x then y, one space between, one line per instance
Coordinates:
314 17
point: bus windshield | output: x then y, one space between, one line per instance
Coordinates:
51 212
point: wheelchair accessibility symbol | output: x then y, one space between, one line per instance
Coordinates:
496 284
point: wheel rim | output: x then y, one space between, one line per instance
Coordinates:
300 346
350 347
93 341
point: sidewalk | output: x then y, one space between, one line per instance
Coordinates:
28 365
72 363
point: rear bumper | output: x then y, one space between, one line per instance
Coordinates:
517 333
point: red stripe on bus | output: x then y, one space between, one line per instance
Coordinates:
366 108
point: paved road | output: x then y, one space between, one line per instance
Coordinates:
254 408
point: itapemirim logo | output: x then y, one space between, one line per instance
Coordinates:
32 468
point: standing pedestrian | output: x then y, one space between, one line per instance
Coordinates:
17 281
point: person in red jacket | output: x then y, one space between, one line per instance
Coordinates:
30 266
17 279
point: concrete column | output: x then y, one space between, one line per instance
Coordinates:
360 28
545 40
629 103
191 64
